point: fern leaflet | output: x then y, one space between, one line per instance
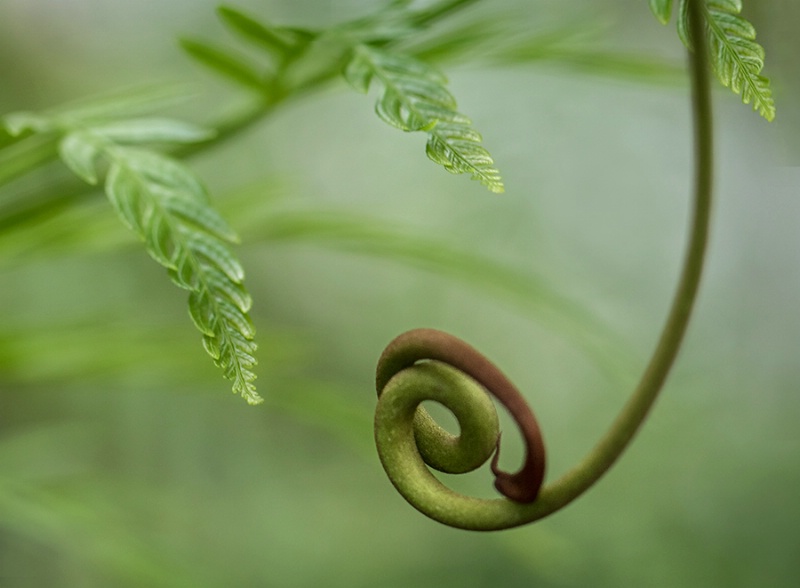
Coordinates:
168 207
456 146
282 42
735 56
223 62
414 98
281 46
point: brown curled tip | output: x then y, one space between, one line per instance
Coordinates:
421 344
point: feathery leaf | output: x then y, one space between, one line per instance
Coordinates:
169 209
735 57
181 234
414 98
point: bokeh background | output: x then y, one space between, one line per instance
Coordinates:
125 461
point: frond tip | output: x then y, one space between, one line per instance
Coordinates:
736 58
456 147
414 98
188 237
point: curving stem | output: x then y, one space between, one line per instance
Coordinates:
430 365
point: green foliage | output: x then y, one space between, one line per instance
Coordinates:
162 483
168 208
390 50
414 98
225 63
280 47
282 42
414 95
735 56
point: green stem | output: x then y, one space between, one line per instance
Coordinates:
231 127
406 388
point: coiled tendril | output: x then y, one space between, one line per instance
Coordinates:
425 364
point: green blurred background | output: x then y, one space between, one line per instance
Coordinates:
125 461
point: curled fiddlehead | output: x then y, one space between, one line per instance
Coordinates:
425 364
446 452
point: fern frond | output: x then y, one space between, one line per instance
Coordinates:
168 207
414 98
736 58
169 213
